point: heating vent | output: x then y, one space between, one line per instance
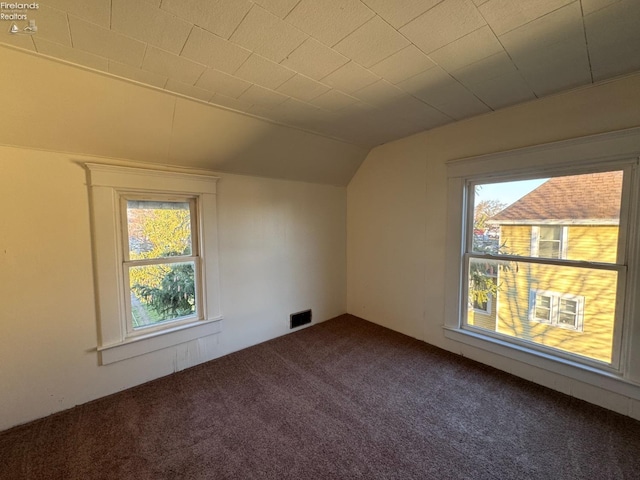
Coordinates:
300 318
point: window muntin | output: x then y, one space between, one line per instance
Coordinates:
532 253
160 264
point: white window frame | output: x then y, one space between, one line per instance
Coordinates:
109 186
604 152
129 263
555 311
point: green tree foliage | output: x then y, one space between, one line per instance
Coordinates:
160 230
175 297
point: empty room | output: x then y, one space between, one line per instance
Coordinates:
320 239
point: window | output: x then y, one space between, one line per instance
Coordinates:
155 249
557 309
161 261
590 333
482 306
567 257
549 241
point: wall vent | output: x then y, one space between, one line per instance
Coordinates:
300 318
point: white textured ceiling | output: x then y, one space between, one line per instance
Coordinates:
366 72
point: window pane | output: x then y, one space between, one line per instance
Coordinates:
543 308
550 233
526 218
160 293
577 316
158 229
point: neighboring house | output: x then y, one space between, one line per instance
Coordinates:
574 218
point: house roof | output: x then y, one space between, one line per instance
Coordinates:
590 198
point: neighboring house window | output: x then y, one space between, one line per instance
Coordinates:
485 307
155 250
560 310
482 307
549 241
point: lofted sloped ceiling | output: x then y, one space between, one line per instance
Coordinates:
346 74
363 71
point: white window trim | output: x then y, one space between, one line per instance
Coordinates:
586 154
107 185
555 308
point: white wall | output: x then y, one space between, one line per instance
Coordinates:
396 217
282 249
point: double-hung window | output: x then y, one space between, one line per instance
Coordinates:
567 256
156 259
558 309
161 261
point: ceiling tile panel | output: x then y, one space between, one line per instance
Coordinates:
230 102
372 42
69 54
400 12
188 90
220 82
443 24
463 105
380 93
416 112
475 46
428 85
296 112
503 90
614 39
20 41
403 64
144 22
262 97
52 25
314 59
590 6
263 72
172 66
216 52
562 25
94 11
137 74
505 15
485 69
105 42
221 17
350 77
329 20
264 33
558 67
302 88
281 8
334 100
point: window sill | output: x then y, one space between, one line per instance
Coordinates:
556 365
142 344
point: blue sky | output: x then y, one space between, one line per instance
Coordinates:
507 192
